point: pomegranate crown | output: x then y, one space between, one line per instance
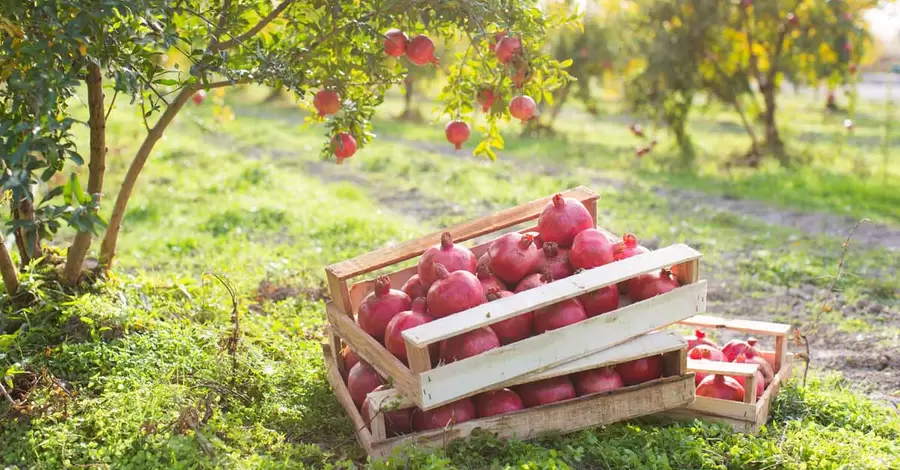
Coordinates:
558 200
752 342
440 270
629 240
446 241
551 249
493 293
695 354
483 271
740 358
382 285
699 334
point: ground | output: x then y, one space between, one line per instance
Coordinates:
136 372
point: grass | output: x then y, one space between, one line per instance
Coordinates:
135 373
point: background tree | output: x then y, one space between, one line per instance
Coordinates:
51 48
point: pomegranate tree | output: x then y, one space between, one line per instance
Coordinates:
590 249
454 292
362 380
565 313
457 133
598 380
640 370
327 102
497 402
395 42
420 50
393 338
452 256
444 416
562 219
522 107
721 387
377 308
468 344
546 391
513 256
343 145
556 261
396 422
515 328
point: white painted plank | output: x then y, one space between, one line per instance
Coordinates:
723 368
744 326
464 378
555 292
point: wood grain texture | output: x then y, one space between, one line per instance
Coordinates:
744 326
723 368
343 397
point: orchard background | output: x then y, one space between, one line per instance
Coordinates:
184 137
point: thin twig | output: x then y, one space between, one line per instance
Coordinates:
6 394
111 103
235 40
837 275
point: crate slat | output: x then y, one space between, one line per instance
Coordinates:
744 326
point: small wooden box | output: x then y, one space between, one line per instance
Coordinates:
749 416
675 389
430 387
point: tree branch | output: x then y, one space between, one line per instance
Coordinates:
8 269
235 40
97 121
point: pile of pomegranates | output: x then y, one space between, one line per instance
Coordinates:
726 387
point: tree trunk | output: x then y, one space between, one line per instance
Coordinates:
410 110
97 121
108 247
773 138
8 269
28 240
685 144
754 145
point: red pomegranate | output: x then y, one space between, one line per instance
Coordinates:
468 344
413 287
327 102
533 280
350 359
522 107
562 219
497 402
453 292
721 387
735 347
199 97
697 355
556 261
556 316
699 337
343 145
599 380
513 256
396 422
538 241
486 97
600 301
760 379
453 257
497 37
590 249
512 329
650 285
640 370
752 355
628 247
377 308
395 42
393 338
457 133
546 391
523 72
444 416
420 50
489 282
706 351
506 48
361 380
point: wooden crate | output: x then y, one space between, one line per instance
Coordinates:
675 389
749 416
430 387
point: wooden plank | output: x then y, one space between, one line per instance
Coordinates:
419 359
780 352
482 372
726 408
676 362
548 294
340 294
750 389
370 350
687 273
343 397
723 368
772 390
376 422
570 415
465 231
744 326
335 350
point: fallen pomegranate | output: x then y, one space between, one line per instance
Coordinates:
377 308
600 301
393 338
513 256
506 48
361 380
198 97
486 98
760 379
640 370
628 247
497 402
556 261
699 337
533 280
522 107
420 50
565 313
515 328
327 102
457 133
591 249
562 219
444 416
546 391
650 285
706 351
350 359
453 292
468 344
721 387
489 282
395 43
343 145
599 380
395 422
453 257
414 288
